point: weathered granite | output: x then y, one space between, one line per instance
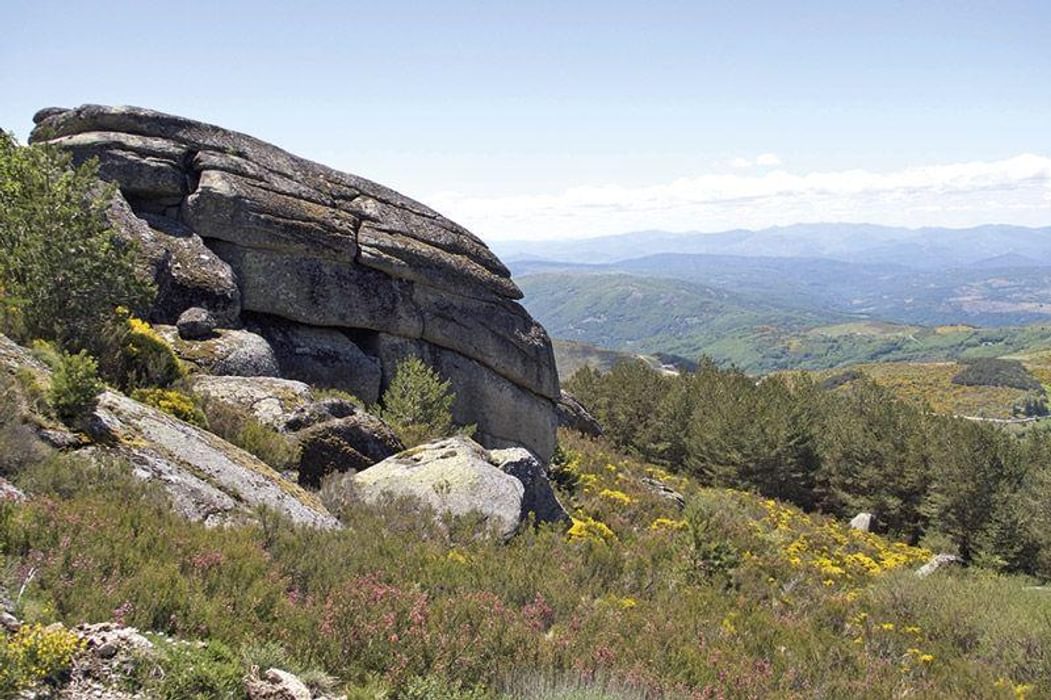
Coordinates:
458 476
307 244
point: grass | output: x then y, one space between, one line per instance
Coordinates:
736 597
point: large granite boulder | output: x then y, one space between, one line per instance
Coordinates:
350 443
270 400
458 476
237 353
342 261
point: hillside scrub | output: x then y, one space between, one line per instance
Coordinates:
737 597
857 448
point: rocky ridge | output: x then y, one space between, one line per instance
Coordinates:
315 261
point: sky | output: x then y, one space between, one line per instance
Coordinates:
528 120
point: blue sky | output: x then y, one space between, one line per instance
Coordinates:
539 119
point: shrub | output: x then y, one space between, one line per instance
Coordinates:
138 357
174 403
241 428
75 384
992 371
35 654
63 271
418 404
191 672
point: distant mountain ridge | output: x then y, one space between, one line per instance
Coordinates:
764 299
867 243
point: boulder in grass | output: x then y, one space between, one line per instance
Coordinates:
863 522
459 477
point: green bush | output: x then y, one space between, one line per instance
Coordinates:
418 404
192 672
63 271
139 357
75 384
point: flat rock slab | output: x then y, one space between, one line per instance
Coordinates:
208 478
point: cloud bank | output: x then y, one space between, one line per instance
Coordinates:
1015 190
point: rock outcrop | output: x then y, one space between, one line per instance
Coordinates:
340 275
207 479
574 415
863 522
458 476
938 561
333 434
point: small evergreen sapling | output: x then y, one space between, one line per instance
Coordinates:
418 403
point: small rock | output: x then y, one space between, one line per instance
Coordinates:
195 323
937 562
539 498
10 492
276 684
107 650
863 522
9 622
664 491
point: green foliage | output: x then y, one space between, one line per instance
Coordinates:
197 672
418 404
994 371
75 384
852 448
1032 405
173 402
138 357
242 428
437 688
714 555
63 272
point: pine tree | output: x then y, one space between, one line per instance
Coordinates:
418 404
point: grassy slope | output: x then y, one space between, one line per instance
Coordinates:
931 383
739 597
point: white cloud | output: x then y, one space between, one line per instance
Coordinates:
1013 191
765 160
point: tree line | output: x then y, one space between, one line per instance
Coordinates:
935 480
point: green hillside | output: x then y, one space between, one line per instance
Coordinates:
649 315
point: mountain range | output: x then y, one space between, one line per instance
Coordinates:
766 299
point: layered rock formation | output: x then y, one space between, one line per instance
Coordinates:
341 276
